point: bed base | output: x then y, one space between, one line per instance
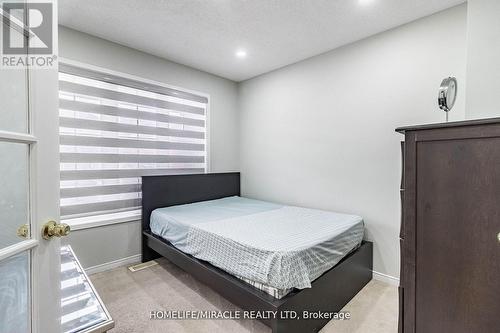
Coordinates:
329 293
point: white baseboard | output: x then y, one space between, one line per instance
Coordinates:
137 258
386 278
113 264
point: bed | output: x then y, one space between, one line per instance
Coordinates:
259 255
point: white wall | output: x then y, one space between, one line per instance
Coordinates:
224 131
320 133
100 245
483 59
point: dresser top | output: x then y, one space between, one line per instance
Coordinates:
463 123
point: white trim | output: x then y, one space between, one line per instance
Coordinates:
88 66
113 264
208 131
6 136
96 221
12 250
394 281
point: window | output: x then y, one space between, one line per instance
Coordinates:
113 130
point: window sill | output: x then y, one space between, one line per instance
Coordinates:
88 222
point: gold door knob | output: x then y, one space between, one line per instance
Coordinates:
51 229
23 231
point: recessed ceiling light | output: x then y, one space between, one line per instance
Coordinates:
241 54
365 2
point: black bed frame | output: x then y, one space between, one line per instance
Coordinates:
329 293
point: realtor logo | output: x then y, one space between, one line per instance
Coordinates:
27 34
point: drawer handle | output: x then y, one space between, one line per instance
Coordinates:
498 237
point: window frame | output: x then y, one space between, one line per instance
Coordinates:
93 221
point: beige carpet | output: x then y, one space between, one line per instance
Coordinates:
130 297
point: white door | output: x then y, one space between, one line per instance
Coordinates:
29 197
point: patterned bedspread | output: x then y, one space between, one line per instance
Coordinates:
286 247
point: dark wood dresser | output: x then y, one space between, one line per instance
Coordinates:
450 228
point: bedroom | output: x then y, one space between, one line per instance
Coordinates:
293 105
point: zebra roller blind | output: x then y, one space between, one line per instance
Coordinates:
114 130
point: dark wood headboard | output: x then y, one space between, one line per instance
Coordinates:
165 191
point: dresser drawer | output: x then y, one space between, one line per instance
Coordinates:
401 288
401 309
402 262
402 215
402 183
402 192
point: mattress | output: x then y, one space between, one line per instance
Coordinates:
273 247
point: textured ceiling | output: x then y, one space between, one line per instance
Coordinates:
205 34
